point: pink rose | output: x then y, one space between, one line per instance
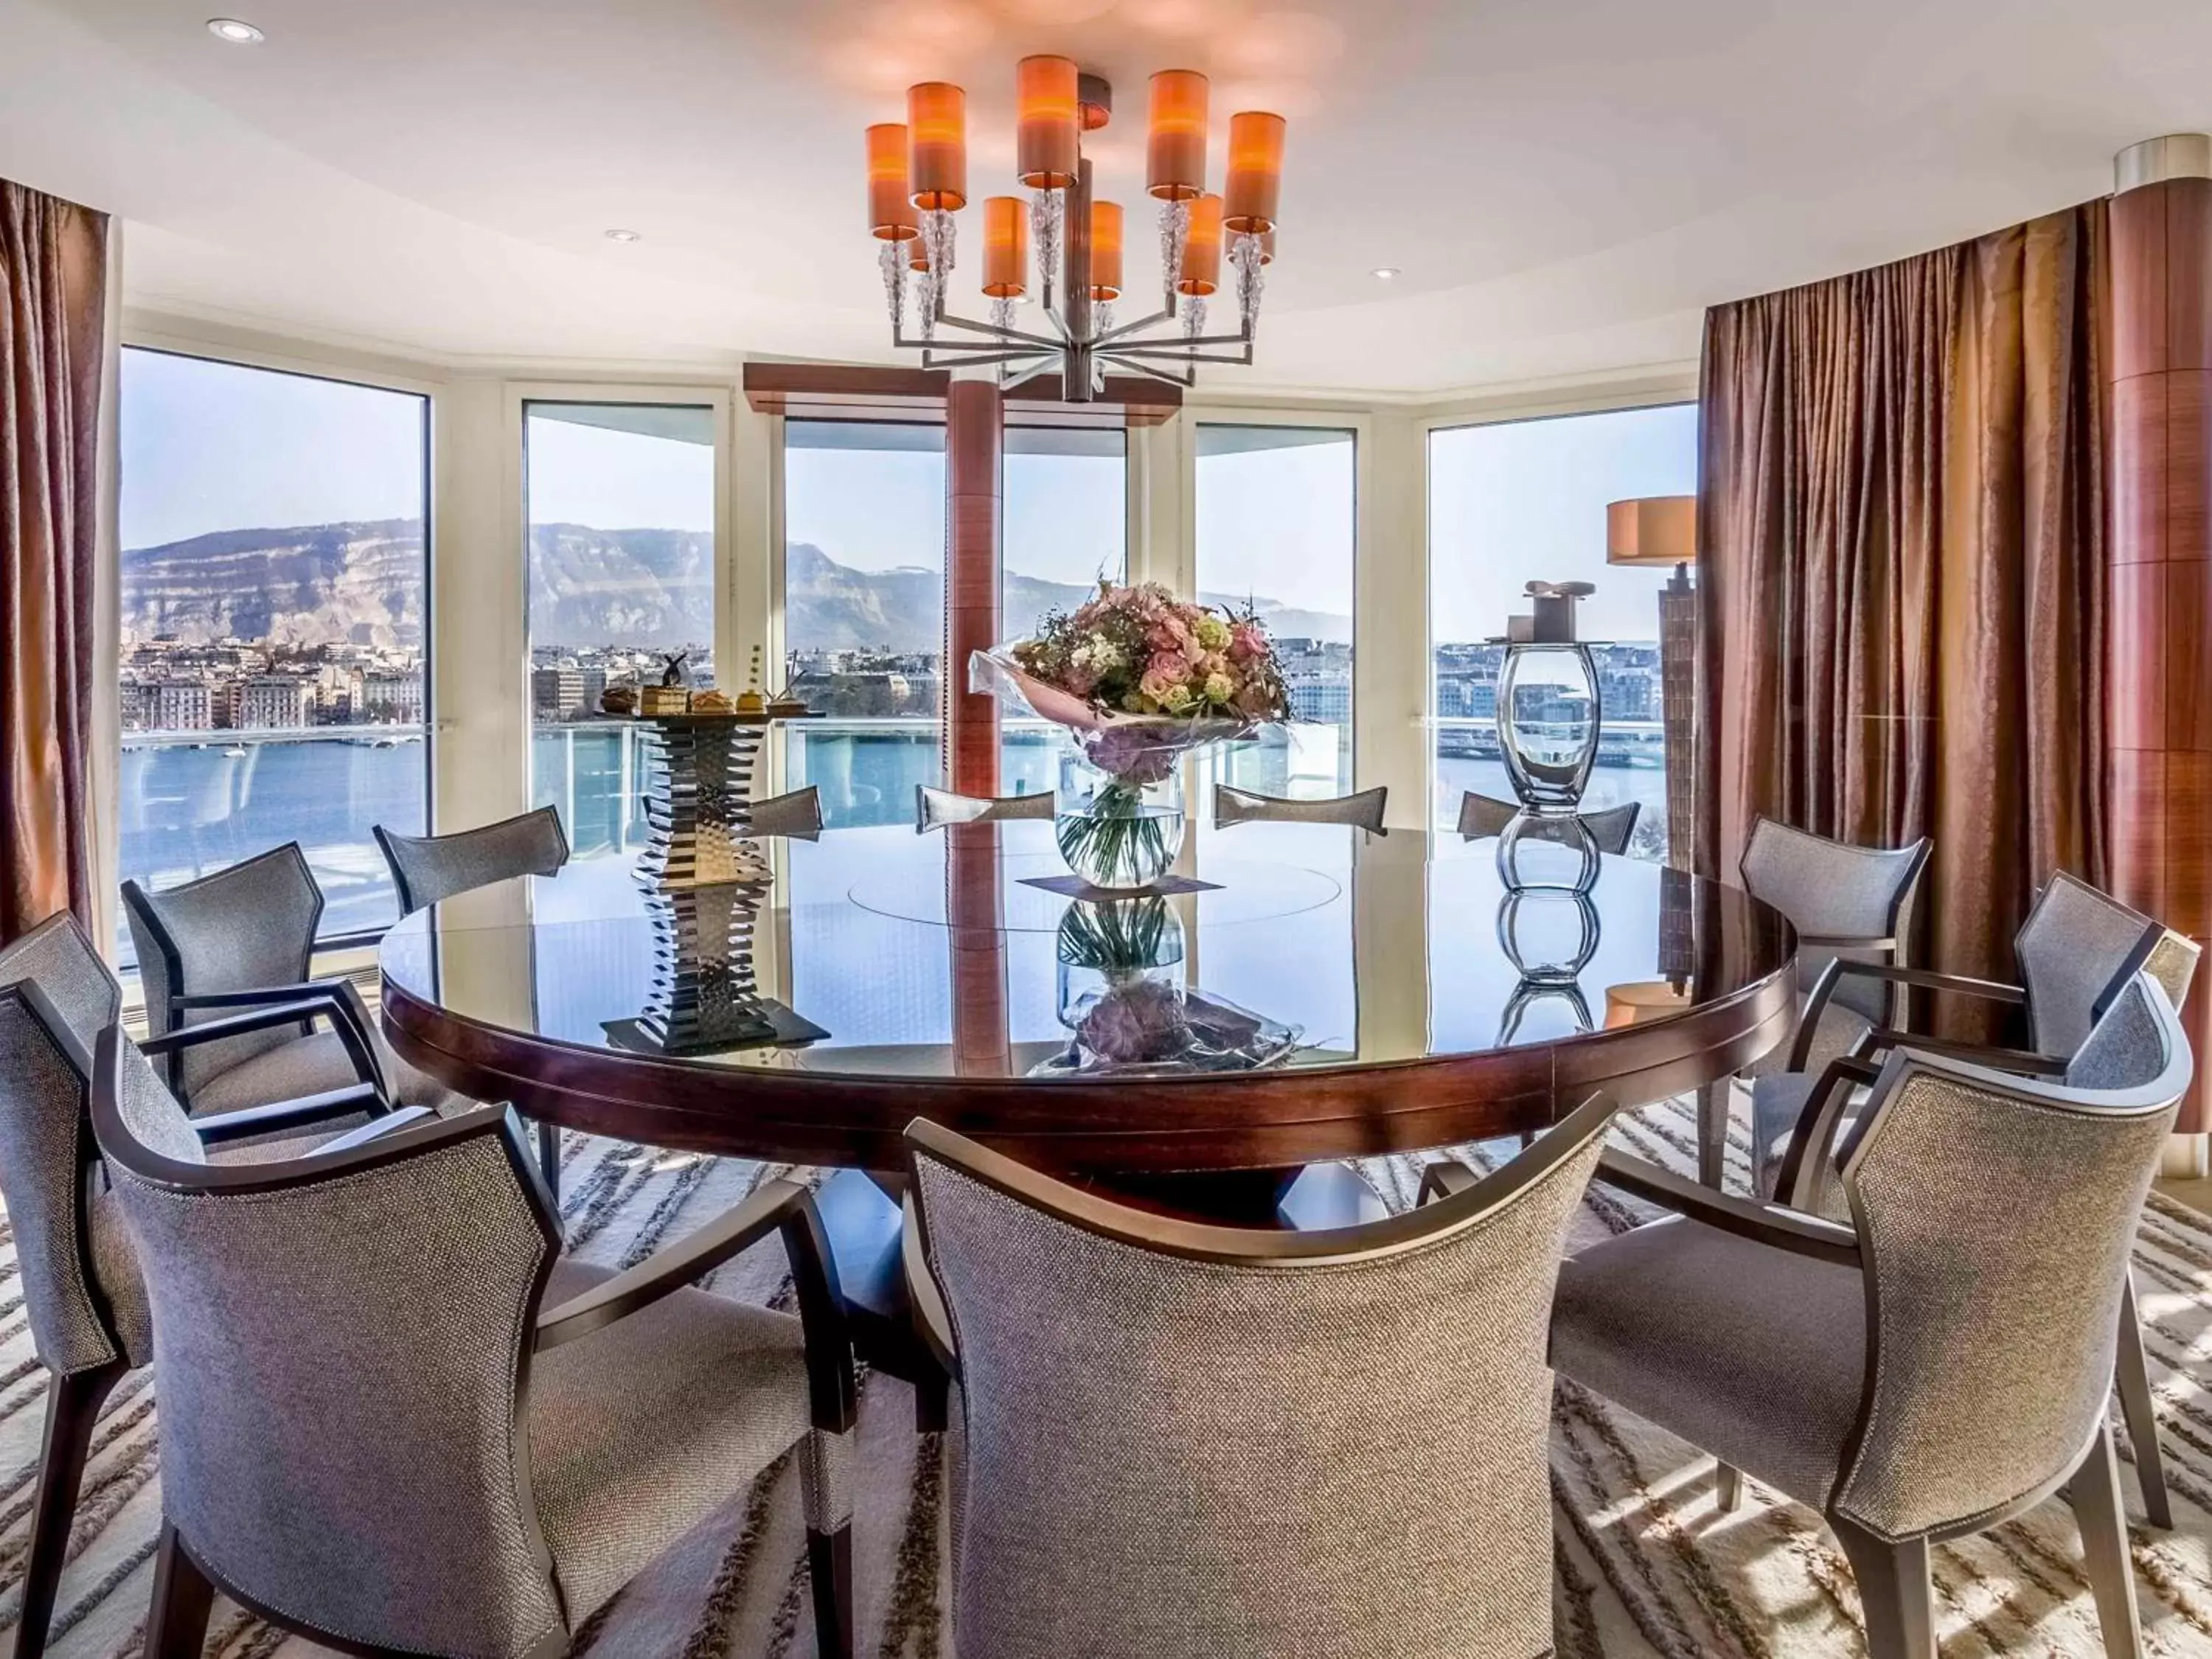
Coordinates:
1246 641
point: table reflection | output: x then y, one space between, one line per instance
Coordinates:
925 956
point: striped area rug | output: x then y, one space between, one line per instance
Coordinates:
1647 1564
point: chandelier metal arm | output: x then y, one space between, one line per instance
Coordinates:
1178 354
1241 340
1188 378
1118 332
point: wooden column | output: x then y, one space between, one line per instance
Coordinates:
975 444
2159 656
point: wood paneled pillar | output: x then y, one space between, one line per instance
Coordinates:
974 445
2159 664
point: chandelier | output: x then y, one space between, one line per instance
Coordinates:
918 181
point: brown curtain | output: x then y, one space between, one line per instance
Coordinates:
54 310
1902 568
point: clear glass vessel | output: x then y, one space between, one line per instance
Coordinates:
1118 835
1547 723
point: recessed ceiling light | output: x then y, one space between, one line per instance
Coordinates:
1384 272
624 236
238 32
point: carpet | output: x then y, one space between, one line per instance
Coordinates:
1647 1564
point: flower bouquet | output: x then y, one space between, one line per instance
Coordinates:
1138 678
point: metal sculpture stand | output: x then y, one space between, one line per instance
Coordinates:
705 880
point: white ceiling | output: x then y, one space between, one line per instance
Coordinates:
1565 184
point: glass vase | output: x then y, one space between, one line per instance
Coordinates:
1126 951
1547 723
1119 835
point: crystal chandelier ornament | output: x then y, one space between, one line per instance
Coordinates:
918 181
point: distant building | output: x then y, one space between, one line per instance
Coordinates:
176 705
391 699
274 702
557 692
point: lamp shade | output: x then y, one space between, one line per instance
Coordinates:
1254 188
937 145
1652 529
1174 143
1006 246
1201 249
1105 250
891 216
1648 999
1049 126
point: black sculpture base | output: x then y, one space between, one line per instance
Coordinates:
774 1024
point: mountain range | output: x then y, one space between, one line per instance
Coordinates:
360 583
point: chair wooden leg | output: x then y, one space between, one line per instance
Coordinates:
73 1405
1894 1590
177 1620
549 1158
2131 1376
830 1567
2095 1492
1712 1133
1728 1484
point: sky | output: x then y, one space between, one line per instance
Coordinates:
211 445
214 446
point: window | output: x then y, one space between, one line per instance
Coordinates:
275 625
621 499
1067 522
1526 500
1277 530
864 611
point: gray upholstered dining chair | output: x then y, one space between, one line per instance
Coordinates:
935 808
1847 902
241 939
2078 949
376 1431
1611 827
1363 810
1131 1398
795 815
1942 1365
427 869
78 1276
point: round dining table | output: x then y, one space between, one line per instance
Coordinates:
1390 992
1306 993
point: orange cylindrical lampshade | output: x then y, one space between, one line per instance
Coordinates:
1201 249
917 253
1654 529
890 204
937 145
1049 128
1255 183
1006 246
1174 147
1105 250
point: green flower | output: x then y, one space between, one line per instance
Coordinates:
1219 688
1213 633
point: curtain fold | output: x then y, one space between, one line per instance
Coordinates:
1902 571
53 275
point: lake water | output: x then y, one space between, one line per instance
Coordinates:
192 808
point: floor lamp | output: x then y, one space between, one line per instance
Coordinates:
1656 531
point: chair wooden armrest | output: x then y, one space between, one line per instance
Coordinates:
397 1118
1766 1223
270 1005
1444 1177
778 1207
222 1127
1925 979
1997 1058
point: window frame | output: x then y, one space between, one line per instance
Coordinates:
1617 393
109 826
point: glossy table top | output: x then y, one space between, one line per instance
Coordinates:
1372 950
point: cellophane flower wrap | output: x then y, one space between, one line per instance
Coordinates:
1138 678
